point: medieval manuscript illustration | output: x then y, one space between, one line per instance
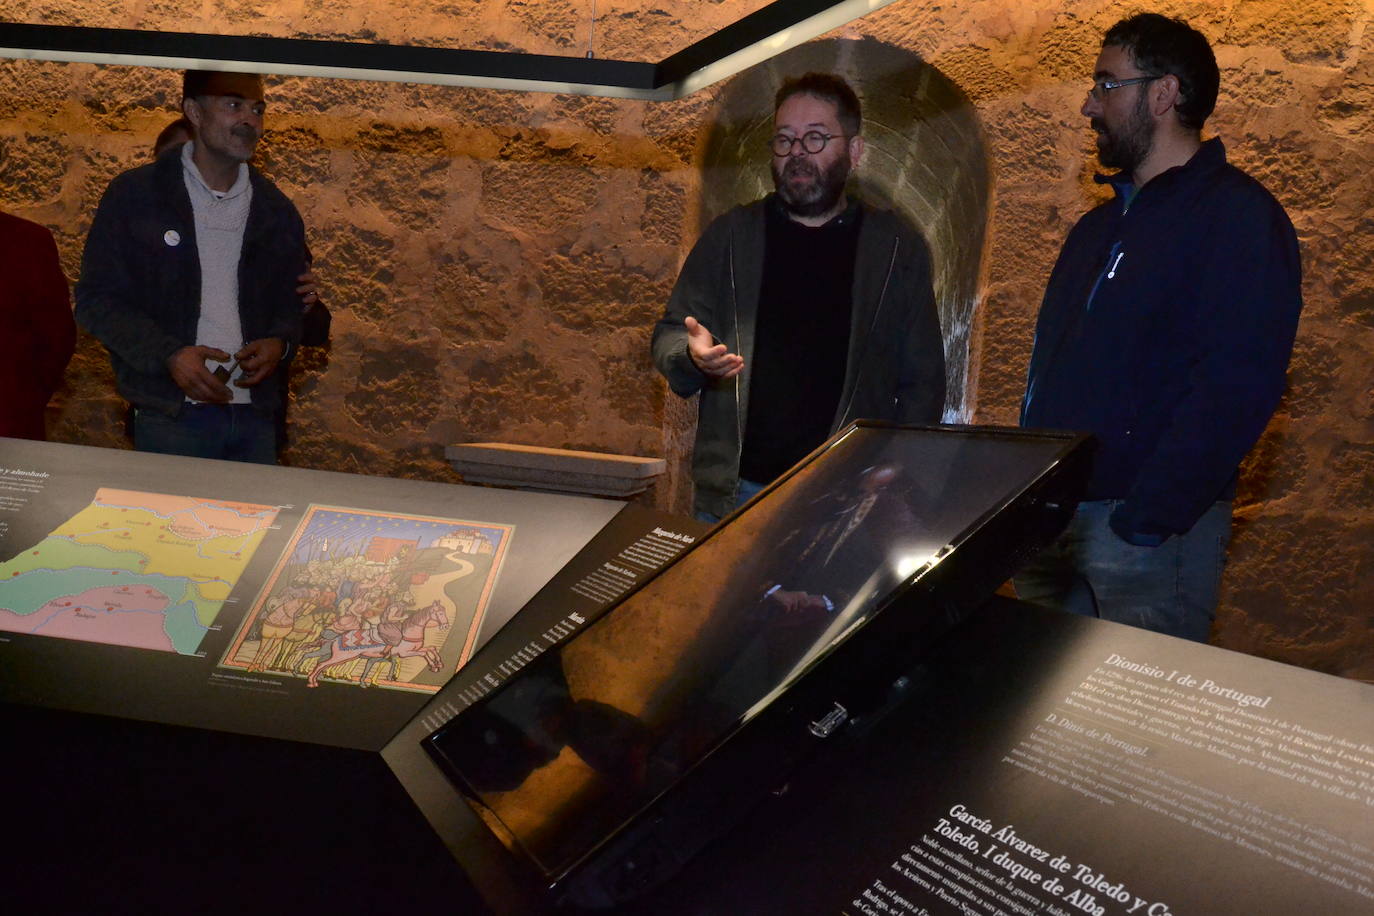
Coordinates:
146 570
373 598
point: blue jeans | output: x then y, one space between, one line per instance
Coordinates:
232 432
1172 588
748 489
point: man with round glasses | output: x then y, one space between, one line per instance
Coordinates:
1165 330
801 312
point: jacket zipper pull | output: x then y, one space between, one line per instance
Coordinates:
1111 273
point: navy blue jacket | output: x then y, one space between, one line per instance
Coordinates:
139 292
1166 330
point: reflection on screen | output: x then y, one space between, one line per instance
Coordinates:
594 730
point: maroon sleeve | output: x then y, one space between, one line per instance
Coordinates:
38 331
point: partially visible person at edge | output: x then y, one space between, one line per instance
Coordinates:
37 333
1165 330
189 277
315 318
800 312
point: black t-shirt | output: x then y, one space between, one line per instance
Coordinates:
801 340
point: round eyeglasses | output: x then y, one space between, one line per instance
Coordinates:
813 141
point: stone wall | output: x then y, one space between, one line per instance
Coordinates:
495 260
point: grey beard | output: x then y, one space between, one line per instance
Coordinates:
822 194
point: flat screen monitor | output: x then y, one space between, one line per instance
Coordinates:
591 733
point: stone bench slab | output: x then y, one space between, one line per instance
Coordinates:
533 467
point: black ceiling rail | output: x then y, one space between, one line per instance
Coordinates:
766 31
319 53
757 26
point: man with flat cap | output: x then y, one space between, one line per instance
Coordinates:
189 279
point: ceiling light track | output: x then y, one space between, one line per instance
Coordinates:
755 38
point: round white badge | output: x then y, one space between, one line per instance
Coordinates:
172 238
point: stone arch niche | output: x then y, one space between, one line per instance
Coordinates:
924 158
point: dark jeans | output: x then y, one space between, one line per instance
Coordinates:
232 432
748 489
1171 588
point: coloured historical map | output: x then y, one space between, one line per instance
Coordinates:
372 599
133 569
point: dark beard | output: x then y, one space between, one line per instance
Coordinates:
1131 143
821 195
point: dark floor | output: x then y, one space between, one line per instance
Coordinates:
106 815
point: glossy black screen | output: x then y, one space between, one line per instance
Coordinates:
595 729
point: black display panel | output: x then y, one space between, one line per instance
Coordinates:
1047 763
596 730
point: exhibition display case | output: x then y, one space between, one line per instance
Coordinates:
814 707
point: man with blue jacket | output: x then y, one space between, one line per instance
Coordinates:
1165 330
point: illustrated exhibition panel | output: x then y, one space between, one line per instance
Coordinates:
283 602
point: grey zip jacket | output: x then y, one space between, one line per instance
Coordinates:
895 367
